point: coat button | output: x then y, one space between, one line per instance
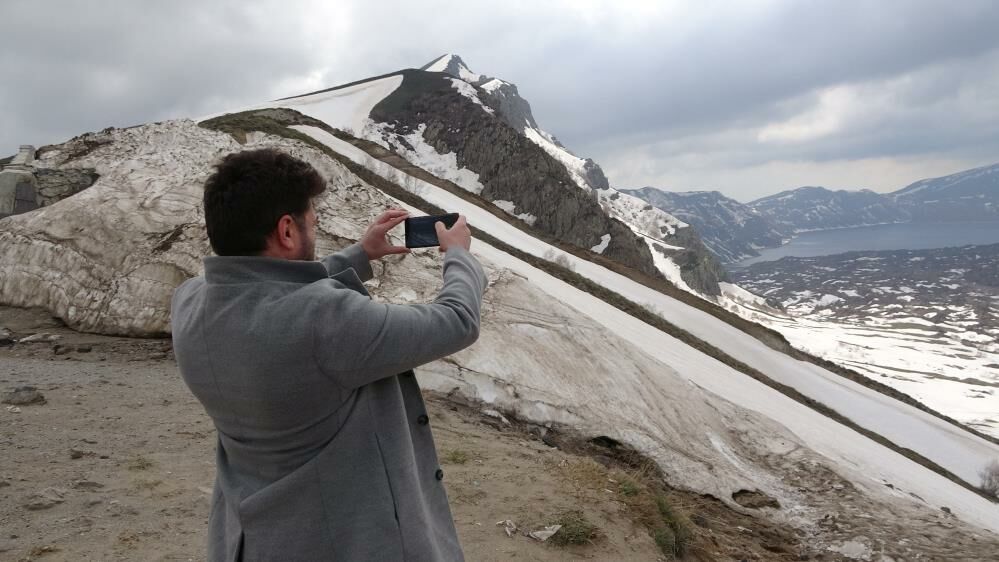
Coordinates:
439 474
423 420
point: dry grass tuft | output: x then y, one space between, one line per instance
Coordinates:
455 456
576 529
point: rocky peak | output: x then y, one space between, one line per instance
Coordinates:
453 65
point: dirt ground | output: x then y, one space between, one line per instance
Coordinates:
118 463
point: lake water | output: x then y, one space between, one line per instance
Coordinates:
908 236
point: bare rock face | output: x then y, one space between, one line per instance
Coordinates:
54 185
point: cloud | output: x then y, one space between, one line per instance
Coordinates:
674 93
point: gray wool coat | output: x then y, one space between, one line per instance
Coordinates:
324 445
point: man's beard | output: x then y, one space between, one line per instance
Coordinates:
308 252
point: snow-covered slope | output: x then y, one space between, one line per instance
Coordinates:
812 381
961 453
954 449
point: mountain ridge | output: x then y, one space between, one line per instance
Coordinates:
966 195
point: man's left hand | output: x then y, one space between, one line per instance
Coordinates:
375 240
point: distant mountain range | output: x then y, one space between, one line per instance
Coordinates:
735 231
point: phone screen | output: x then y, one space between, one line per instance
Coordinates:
420 231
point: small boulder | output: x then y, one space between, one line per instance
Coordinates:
23 396
6 338
754 499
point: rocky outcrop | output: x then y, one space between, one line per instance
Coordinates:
54 185
509 166
595 175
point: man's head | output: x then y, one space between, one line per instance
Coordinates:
259 203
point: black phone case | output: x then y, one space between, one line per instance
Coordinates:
420 231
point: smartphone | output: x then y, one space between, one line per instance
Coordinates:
420 231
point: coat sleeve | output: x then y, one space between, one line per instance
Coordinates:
351 256
359 341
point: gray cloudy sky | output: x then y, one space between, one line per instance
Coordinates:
746 97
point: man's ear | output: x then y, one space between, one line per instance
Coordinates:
285 232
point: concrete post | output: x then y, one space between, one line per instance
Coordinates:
17 184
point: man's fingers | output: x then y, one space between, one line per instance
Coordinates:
390 223
391 214
439 227
398 250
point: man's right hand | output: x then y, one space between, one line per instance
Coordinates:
457 235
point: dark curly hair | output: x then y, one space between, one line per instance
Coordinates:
249 192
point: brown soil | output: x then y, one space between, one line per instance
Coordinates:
118 464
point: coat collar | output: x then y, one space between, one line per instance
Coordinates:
223 270
250 269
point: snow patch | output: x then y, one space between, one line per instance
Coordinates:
604 241
510 209
444 166
344 108
573 164
827 300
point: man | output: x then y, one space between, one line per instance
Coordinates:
324 449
